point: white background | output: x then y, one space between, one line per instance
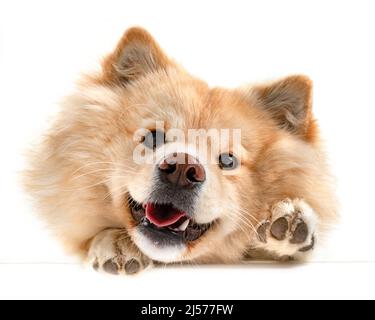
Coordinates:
44 45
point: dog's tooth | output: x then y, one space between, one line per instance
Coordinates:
183 226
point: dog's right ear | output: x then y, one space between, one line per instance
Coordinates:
136 55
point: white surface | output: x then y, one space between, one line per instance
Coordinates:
43 47
312 281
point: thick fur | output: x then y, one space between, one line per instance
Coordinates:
83 169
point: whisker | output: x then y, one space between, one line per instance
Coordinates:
87 187
92 163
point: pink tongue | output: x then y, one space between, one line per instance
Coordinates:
163 215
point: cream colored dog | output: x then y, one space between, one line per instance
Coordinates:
267 196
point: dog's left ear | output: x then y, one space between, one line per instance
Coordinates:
289 102
137 54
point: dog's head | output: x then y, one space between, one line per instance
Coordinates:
186 165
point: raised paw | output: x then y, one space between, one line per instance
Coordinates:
113 252
291 229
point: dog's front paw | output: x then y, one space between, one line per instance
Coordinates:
113 252
290 231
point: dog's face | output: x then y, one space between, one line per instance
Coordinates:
181 198
176 201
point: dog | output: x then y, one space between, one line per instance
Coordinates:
123 193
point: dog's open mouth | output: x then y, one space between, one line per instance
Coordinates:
165 223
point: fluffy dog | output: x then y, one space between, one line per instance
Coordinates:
268 196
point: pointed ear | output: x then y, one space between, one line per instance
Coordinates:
136 54
289 102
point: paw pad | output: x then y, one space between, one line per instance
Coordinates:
117 265
279 228
132 266
290 229
300 233
111 267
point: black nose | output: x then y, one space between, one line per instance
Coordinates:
182 170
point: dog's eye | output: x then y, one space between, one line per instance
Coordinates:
154 139
228 161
